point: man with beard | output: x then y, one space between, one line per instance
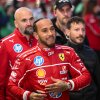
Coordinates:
76 35
41 73
17 42
62 12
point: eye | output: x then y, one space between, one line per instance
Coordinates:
61 10
76 29
31 19
83 30
24 20
44 30
52 28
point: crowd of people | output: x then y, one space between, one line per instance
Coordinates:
50 50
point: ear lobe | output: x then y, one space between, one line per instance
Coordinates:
54 12
67 32
35 35
15 24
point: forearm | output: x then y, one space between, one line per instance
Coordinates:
17 92
82 81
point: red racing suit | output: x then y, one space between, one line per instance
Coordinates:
93 31
10 47
34 68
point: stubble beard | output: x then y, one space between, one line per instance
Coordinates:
29 31
46 44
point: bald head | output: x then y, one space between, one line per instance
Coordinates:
24 20
21 12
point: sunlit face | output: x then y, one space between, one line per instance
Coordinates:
46 33
77 33
24 22
63 14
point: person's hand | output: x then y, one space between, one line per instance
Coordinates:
39 95
57 86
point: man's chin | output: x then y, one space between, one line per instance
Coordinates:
51 45
79 42
28 33
64 21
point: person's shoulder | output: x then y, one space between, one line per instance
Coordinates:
28 53
7 38
89 50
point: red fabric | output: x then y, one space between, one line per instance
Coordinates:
33 70
93 31
10 47
31 1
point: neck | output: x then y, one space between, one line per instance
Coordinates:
27 36
62 27
43 46
77 47
72 41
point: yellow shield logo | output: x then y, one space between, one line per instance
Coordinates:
61 56
41 73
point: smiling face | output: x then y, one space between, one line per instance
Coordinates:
76 33
45 33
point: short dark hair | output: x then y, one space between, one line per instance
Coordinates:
34 24
74 19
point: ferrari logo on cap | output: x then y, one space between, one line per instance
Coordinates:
61 56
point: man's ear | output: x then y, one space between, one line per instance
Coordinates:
54 12
35 35
15 22
67 32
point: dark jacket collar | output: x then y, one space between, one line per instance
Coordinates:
77 47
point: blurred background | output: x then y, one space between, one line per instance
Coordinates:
40 8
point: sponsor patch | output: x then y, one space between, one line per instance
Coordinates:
41 73
38 60
64 70
61 56
50 53
42 82
18 48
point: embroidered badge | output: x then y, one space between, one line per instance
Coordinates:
38 60
61 56
41 73
18 48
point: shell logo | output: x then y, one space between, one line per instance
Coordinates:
41 73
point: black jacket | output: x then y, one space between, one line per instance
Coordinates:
60 36
90 60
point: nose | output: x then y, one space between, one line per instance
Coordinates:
82 32
67 13
29 22
50 33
